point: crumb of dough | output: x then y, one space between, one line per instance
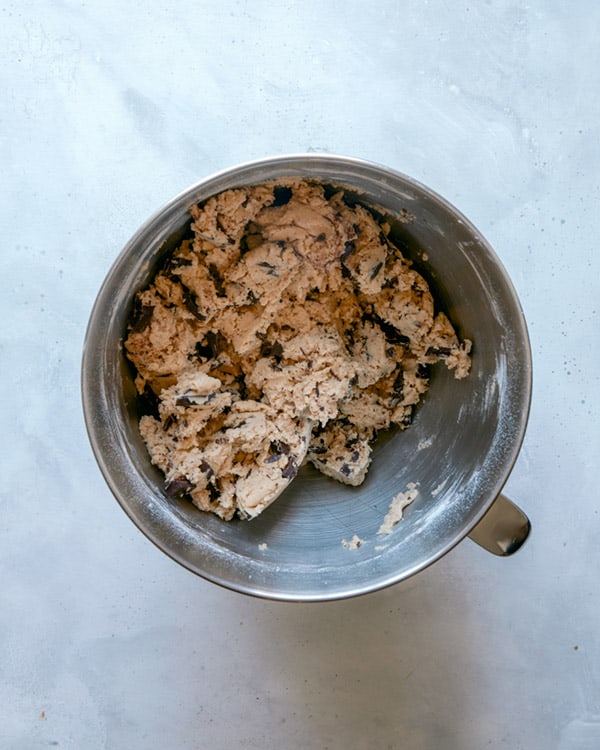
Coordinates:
437 490
263 546
286 328
354 543
425 443
396 510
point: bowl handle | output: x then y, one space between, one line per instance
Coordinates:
503 529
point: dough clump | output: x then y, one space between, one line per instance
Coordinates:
287 328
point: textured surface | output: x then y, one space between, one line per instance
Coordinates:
108 110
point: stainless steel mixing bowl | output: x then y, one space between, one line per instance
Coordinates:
460 449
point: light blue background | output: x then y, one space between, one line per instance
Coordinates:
107 110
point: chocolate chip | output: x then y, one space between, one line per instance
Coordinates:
142 315
279 446
349 248
195 399
189 300
214 493
217 280
355 456
174 262
207 469
290 470
375 270
170 420
398 386
319 450
321 237
273 458
345 470
177 261
203 351
149 401
251 238
178 486
272 349
391 333
213 344
216 341
281 195
270 268
439 351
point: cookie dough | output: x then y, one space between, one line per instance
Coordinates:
287 328
353 543
396 509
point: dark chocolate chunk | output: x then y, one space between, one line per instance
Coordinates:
290 470
203 351
178 486
407 418
149 402
271 269
141 317
281 195
207 469
439 351
177 262
251 238
279 446
216 341
189 300
319 450
392 334
349 248
273 458
170 420
355 456
214 492
375 270
398 386
195 399
345 470
213 344
272 349
217 280
321 237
